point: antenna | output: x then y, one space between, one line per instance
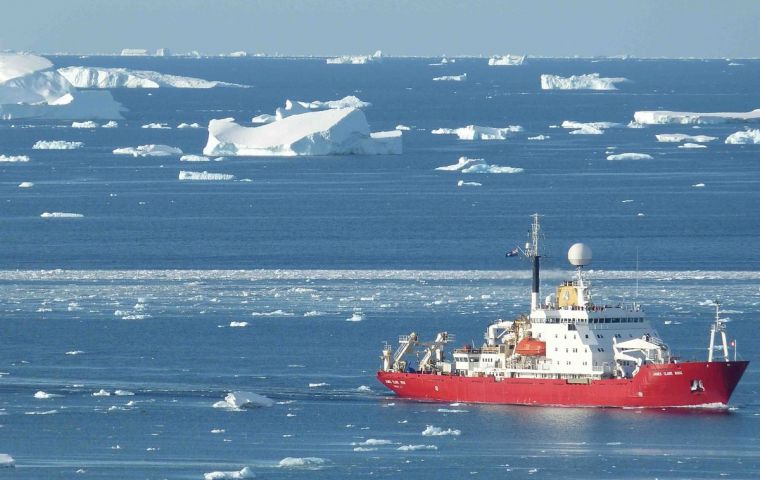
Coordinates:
637 273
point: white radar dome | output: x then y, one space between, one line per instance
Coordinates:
579 255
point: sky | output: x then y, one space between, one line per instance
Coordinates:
646 28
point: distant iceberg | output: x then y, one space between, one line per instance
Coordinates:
134 52
680 137
462 183
340 131
505 60
99 77
591 81
477 165
6 461
239 400
205 176
451 78
148 151
14 158
245 472
60 215
660 117
356 59
745 137
56 145
29 88
160 126
475 132
589 128
629 156
25 185
188 125
86 124
692 145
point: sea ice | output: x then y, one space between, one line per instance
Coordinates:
161 126
205 176
692 145
40 395
591 81
451 78
356 59
475 132
110 124
239 400
148 151
540 137
188 125
56 145
86 124
414 448
431 431
6 461
101 393
504 60
477 165
402 127
264 118
660 117
194 158
99 77
588 128
681 137
629 156
14 158
746 137
60 215
339 131
245 472
238 324
462 183
301 462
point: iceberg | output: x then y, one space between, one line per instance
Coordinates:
30 88
540 137
245 472
301 462
110 124
56 145
591 81
356 59
692 145
99 77
461 163
477 165
475 132
402 127
745 137
188 125
148 151
6 461
60 215
661 117
340 131
40 395
14 158
25 185
462 183
134 52
505 60
431 431
194 158
451 78
629 156
238 400
161 126
87 124
590 128
680 137
205 176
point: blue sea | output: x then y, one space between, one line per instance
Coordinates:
326 258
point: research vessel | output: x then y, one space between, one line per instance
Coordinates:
568 351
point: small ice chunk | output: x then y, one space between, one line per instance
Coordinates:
204 176
194 158
414 448
486 168
461 163
476 132
698 185
451 78
110 124
462 183
245 472
402 127
680 137
506 60
540 137
591 81
87 124
123 393
101 393
6 461
40 395
14 158
431 431
56 145
318 385
161 126
75 352
692 145
238 324
239 400
629 156
301 462
148 151
188 125
374 442
749 136
60 215
363 388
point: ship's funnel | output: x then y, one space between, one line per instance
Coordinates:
579 255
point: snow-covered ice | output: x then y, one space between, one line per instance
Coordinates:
431 431
6 461
462 183
301 462
338 131
505 60
239 400
356 59
588 128
682 137
660 117
161 126
25 185
591 81
194 158
101 77
414 448
56 145
148 151
60 215
475 132
14 158
205 176
477 165
40 395
629 156
749 136
692 145
234 324
245 472
451 78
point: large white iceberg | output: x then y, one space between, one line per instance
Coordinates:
682 137
99 77
591 81
356 59
505 60
297 107
29 88
745 137
339 131
659 117
475 132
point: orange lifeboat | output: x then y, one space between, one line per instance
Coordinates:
530 347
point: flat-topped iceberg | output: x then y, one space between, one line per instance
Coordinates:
476 132
682 137
340 131
629 156
356 59
506 60
297 107
661 117
588 128
148 151
100 77
591 81
205 176
744 137
451 78
29 88
56 145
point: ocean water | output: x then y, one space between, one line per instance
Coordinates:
139 294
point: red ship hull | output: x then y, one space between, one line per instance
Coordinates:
655 385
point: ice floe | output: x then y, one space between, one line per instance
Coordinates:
6 461
205 176
148 151
188 125
60 215
692 145
475 132
462 162
356 59
506 60
14 158
431 431
161 126
56 145
239 400
462 183
402 127
40 395
101 393
25 185
355 317
477 165
363 388
319 385
74 352
245 472
298 107
374 442
591 81
123 393
414 448
100 77
110 124
301 462
85 124
30 88
539 137
629 156
749 136
451 78
194 158
588 128
339 131
234 324
682 137
660 117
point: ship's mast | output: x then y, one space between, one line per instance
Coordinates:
532 252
